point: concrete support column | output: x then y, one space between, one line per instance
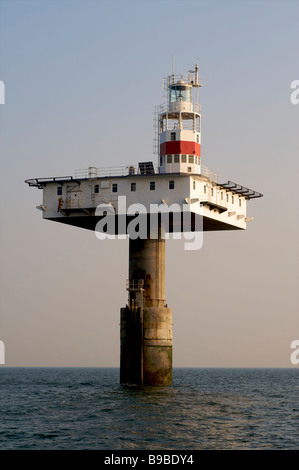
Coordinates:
146 322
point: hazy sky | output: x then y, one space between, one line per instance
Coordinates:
81 81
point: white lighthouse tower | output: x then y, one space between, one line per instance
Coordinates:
179 126
180 185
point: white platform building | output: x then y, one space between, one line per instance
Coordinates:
179 176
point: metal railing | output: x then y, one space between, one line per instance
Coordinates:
93 172
188 79
164 108
209 174
135 284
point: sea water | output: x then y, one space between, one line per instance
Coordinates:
205 408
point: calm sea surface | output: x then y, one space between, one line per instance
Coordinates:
87 408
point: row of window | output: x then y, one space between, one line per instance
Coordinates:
152 186
221 195
96 188
179 159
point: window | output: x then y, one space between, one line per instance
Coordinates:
189 169
191 159
171 184
227 198
114 187
221 196
169 158
240 202
161 160
204 189
184 158
198 160
232 199
59 190
194 184
197 138
152 185
133 186
176 159
173 136
180 93
96 189
212 191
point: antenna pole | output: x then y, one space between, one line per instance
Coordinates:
196 74
173 69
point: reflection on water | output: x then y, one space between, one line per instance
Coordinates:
204 409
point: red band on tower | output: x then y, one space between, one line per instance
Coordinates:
180 147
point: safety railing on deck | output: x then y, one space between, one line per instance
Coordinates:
135 284
93 172
188 79
209 174
164 108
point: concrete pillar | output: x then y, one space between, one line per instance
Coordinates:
146 322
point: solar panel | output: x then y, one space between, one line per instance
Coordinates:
146 168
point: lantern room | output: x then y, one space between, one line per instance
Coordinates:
180 97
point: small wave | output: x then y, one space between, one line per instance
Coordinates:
45 436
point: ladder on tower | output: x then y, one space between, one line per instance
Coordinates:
156 130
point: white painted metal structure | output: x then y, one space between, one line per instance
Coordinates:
179 177
69 199
179 126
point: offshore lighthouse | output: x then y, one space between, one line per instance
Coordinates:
146 202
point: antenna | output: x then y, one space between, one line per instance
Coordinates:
172 68
196 79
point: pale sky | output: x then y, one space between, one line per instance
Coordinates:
81 81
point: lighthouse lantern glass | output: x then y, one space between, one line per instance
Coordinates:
180 93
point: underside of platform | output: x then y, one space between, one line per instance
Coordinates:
89 222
